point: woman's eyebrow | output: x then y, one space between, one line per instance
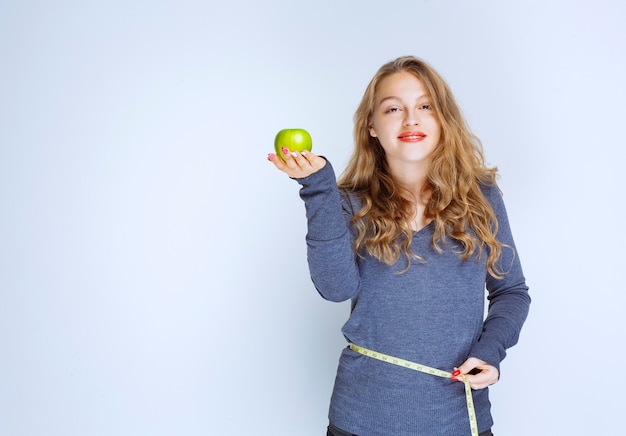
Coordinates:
394 98
391 97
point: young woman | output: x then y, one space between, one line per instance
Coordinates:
413 233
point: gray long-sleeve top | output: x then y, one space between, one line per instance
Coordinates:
432 314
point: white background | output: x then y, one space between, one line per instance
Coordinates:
153 278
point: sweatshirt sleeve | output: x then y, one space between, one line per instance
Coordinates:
330 254
508 297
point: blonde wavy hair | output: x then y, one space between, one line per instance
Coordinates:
456 204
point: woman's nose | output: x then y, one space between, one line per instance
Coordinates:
411 118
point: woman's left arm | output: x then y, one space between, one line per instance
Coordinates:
508 297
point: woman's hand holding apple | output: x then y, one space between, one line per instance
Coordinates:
297 164
293 154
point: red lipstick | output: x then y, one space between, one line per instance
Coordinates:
412 136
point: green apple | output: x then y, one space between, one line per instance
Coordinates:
294 140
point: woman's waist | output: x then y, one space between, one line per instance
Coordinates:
376 381
443 350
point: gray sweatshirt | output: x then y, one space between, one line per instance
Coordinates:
433 315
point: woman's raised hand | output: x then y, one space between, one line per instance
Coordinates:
297 164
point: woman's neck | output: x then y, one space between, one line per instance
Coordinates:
412 179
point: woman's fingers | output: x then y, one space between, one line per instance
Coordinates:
479 373
297 164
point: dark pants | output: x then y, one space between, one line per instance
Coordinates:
334 431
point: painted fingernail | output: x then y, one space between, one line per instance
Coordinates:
271 157
294 154
456 373
304 153
285 150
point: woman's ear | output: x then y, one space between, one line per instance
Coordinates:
372 131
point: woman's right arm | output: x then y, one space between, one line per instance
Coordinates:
330 254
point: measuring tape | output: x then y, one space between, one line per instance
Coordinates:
428 370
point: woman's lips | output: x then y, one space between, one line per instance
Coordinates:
412 136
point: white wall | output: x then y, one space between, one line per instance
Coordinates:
153 278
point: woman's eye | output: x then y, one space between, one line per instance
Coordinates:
426 107
392 110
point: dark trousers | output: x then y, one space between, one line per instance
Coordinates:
334 431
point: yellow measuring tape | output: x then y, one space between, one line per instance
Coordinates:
428 370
